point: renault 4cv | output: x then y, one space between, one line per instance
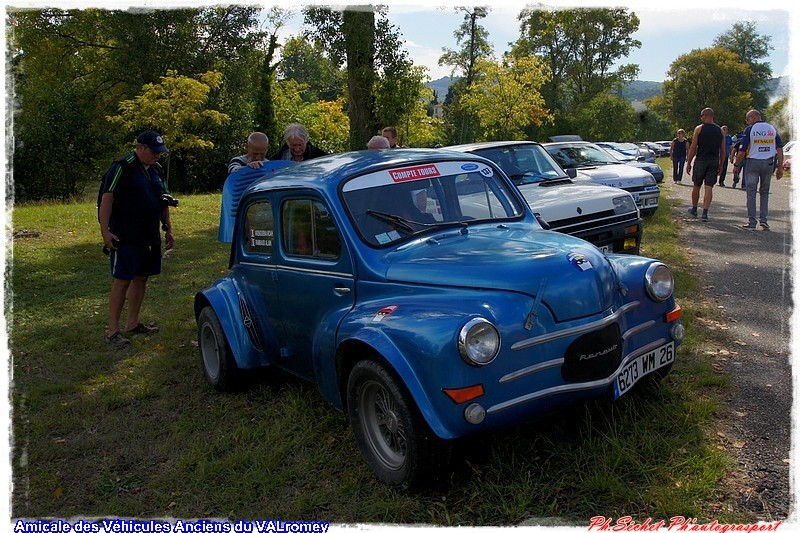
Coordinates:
419 292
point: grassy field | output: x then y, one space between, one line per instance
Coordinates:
140 434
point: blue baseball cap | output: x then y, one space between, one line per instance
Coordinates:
153 140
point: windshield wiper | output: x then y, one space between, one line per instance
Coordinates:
405 224
397 220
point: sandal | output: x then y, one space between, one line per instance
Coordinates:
142 328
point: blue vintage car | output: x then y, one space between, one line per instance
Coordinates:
419 292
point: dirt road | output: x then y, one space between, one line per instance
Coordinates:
748 276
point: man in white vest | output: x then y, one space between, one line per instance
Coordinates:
763 148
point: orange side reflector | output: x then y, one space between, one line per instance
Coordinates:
465 394
673 315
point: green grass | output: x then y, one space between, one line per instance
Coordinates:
97 433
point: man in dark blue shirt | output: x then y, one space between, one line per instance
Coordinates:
130 213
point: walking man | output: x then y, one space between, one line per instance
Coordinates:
708 146
763 149
131 214
728 144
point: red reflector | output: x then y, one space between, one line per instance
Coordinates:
673 315
465 394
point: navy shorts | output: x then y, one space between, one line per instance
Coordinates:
705 172
135 260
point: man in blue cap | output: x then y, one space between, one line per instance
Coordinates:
131 212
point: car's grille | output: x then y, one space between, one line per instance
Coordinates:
592 222
593 356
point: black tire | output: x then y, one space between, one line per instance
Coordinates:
391 434
216 358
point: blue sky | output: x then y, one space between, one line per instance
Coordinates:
664 34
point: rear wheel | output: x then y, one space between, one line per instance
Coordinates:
390 432
216 357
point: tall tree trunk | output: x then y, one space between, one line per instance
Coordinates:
358 29
264 120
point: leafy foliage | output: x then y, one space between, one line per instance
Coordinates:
71 69
506 97
462 124
744 41
176 107
711 77
581 47
604 117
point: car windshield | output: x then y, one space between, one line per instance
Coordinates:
524 163
397 203
581 156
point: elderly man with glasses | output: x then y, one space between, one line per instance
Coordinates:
131 213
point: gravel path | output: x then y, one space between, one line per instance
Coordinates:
748 277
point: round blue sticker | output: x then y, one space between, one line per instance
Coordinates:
469 166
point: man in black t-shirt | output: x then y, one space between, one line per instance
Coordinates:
708 146
131 211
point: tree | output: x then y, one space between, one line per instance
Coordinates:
475 46
711 77
72 68
779 114
506 97
264 119
744 41
176 107
362 38
605 117
307 63
581 47
326 122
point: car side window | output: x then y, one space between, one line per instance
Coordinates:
309 230
477 199
259 227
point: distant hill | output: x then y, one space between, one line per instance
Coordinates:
636 91
441 86
641 90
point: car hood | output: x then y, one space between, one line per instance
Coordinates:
567 200
575 279
620 175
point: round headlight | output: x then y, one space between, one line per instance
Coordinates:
478 342
624 204
659 282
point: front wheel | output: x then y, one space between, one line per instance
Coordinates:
390 432
219 366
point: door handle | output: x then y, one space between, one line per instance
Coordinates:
341 290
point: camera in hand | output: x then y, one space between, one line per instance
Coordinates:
114 242
168 201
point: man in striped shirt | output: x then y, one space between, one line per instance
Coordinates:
257 146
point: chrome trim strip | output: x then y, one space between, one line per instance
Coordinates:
638 329
576 387
577 330
521 373
345 275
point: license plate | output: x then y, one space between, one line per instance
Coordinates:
641 366
636 197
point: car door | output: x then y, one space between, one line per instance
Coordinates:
314 280
255 274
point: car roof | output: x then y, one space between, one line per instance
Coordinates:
568 143
487 144
328 171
